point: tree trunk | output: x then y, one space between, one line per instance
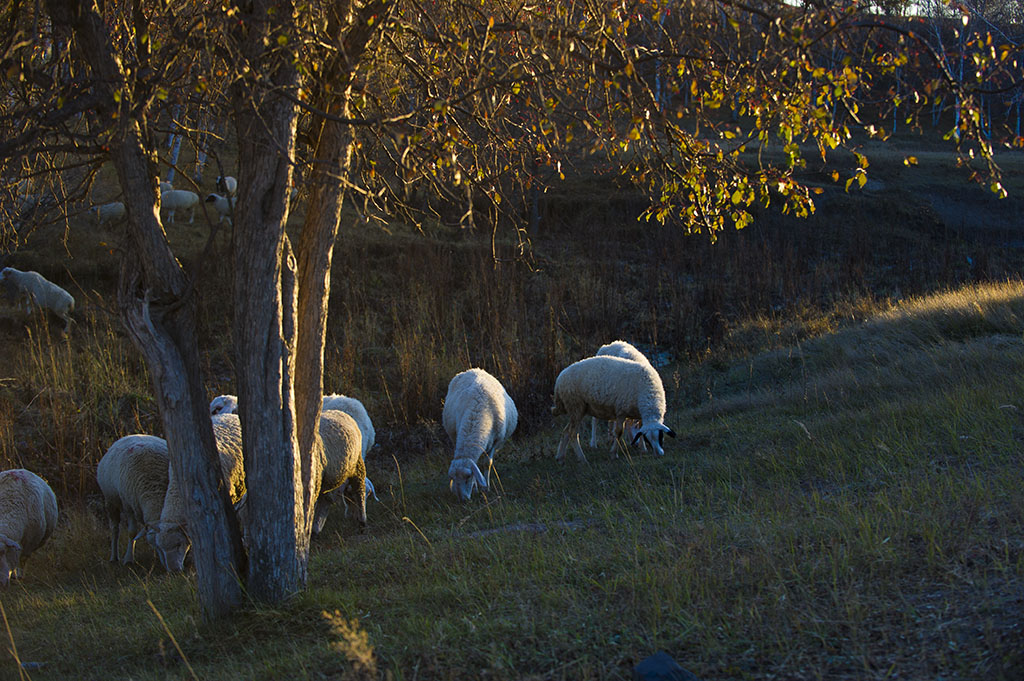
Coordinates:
159 309
265 303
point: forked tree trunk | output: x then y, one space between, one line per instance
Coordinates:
159 309
265 302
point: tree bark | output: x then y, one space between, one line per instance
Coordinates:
159 309
265 303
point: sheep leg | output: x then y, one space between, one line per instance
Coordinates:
593 431
134 534
617 437
360 488
571 433
114 523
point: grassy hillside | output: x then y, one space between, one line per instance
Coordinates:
848 506
843 501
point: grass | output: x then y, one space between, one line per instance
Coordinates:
847 509
843 500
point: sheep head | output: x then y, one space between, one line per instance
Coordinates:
463 476
654 432
224 404
10 556
173 545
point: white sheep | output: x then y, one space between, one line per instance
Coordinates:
132 476
179 199
166 186
357 411
619 348
172 535
611 388
28 516
224 206
108 212
223 404
478 416
344 469
227 184
33 289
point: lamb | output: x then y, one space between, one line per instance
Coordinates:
478 416
611 388
132 476
28 516
179 199
223 404
224 205
108 212
619 348
32 288
357 411
172 536
227 184
344 469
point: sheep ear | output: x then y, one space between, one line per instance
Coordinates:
665 429
480 480
636 438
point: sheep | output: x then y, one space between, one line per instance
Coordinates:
224 206
32 288
132 476
357 411
344 469
166 187
619 348
227 184
478 416
223 404
28 516
179 199
611 388
108 212
172 535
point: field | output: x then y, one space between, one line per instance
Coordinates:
843 500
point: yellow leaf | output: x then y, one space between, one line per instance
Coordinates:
862 179
910 161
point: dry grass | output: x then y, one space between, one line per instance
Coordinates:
843 501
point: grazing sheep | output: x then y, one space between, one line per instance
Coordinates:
611 388
32 288
28 516
344 469
619 348
478 416
172 536
357 411
132 476
224 206
179 199
108 212
227 184
223 404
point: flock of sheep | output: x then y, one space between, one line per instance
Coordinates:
173 200
142 495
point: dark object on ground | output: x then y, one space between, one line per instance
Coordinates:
661 667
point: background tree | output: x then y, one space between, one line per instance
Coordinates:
421 109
